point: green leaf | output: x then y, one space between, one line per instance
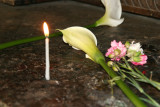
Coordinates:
148 101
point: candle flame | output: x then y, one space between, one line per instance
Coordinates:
46 30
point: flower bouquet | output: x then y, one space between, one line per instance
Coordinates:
121 55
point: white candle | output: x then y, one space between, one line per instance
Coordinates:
46 33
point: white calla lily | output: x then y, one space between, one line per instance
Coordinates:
113 12
82 39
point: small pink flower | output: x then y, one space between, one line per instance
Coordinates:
143 60
116 45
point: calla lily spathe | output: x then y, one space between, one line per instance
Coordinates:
82 39
113 12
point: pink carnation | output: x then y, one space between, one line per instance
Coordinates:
143 60
116 45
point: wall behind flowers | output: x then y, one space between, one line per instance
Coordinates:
142 7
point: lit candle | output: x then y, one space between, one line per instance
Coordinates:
46 33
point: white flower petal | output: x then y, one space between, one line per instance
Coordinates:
82 32
104 2
114 8
114 23
135 47
75 48
64 39
87 56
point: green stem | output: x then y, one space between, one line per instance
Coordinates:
91 26
147 80
129 67
26 40
151 99
32 39
126 90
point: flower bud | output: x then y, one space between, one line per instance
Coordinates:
111 56
115 68
127 44
136 59
110 63
117 52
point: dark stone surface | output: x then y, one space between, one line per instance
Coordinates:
75 80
